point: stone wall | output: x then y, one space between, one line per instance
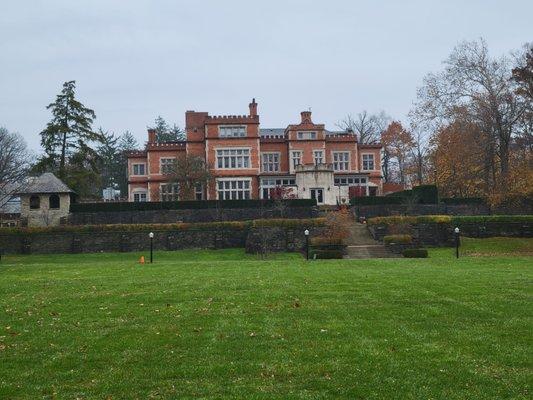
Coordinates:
385 210
255 240
190 215
435 234
95 242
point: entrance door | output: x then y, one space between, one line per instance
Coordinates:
318 195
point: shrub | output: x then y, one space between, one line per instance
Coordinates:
398 239
426 194
395 220
325 254
184 205
337 224
415 253
457 220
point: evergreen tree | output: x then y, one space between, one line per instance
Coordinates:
126 142
110 160
167 133
69 133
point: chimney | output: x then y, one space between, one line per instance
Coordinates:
306 117
253 108
152 135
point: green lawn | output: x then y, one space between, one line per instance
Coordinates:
223 324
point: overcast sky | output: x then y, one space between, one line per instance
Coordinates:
136 59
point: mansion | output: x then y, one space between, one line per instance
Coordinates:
249 162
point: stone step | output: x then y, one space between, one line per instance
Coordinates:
369 251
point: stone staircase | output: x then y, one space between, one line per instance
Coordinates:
360 244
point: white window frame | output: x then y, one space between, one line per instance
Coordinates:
363 161
133 165
241 131
272 163
139 192
245 158
293 158
306 135
231 191
173 195
161 163
321 157
338 163
273 182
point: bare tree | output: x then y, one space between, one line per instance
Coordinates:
13 163
480 86
189 172
368 127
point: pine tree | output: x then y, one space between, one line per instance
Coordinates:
126 142
69 132
166 133
109 154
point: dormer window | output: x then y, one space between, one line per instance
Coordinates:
306 135
231 131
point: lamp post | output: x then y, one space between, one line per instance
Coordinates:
306 233
456 231
151 235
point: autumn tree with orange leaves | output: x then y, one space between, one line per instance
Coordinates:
397 145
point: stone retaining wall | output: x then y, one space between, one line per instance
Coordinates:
385 210
255 240
435 234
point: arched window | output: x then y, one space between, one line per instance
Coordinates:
35 202
54 201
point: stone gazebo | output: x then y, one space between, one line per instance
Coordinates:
44 201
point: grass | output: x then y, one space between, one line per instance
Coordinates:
223 324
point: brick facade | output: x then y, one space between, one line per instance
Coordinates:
248 162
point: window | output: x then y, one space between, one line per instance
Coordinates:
139 169
270 162
233 158
167 166
318 156
35 202
306 135
267 184
53 201
231 131
169 192
349 181
296 156
199 192
139 197
341 161
233 189
368 162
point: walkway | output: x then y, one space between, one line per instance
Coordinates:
360 244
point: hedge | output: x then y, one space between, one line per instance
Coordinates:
415 253
289 223
447 219
325 241
462 200
375 201
186 205
418 219
205 226
423 194
398 239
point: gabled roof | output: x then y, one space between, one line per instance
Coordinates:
45 183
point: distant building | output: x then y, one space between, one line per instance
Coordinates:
45 201
9 206
111 194
248 162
